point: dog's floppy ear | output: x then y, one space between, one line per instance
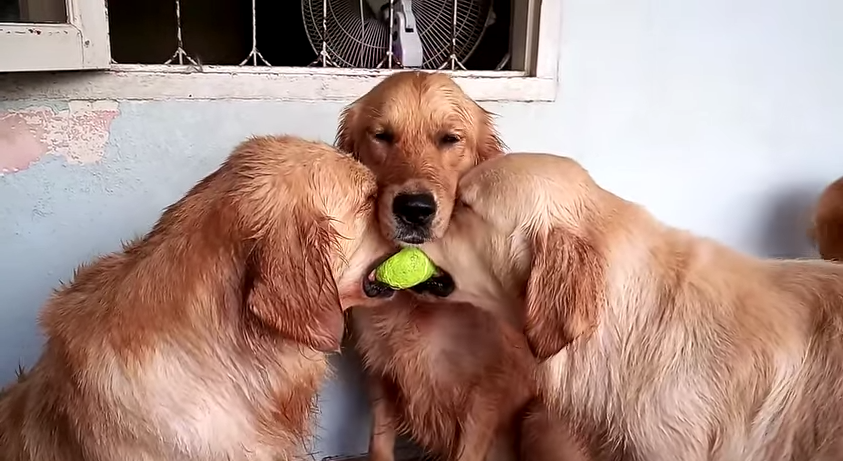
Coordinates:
564 292
290 286
346 141
489 144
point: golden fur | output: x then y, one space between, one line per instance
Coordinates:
449 375
205 339
827 229
657 344
419 133
547 436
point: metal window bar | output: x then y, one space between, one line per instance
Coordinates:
254 54
452 60
390 56
324 56
180 54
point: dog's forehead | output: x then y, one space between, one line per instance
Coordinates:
408 107
530 167
484 178
511 176
539 188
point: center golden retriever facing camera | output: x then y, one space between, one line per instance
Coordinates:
656 344
451 376
419 133
205 339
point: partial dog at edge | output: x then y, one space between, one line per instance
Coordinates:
827 228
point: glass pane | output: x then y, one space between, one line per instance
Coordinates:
33 11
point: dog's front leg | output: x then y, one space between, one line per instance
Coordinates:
383 434
478 433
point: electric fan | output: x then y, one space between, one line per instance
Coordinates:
355 33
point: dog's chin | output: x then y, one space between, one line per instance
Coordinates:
406 235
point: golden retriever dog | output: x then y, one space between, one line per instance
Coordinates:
419 133
205 339
451 376
655 344
827 230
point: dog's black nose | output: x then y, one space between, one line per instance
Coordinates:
414 209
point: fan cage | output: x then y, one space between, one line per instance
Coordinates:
349 33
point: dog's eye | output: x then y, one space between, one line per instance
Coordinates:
449 139
384 136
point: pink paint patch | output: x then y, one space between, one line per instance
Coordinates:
20 143
79 134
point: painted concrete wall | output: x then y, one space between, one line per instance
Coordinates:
722 116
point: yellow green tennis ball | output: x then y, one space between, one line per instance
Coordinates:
405 269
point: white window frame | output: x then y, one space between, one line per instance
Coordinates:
535 47
80 43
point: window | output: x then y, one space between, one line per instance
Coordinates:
53 35
270 49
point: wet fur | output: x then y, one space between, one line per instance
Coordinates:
206 338
441 371
417 109
451 376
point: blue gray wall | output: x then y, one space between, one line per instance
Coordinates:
721 116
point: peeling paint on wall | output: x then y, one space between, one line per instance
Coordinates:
78 134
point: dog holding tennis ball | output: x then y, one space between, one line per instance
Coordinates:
451 376
405 269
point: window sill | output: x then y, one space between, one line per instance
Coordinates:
152 82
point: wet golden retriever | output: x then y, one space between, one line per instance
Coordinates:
205 339
657 344
451 376
827 228
419 133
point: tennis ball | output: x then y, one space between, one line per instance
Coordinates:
405 269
